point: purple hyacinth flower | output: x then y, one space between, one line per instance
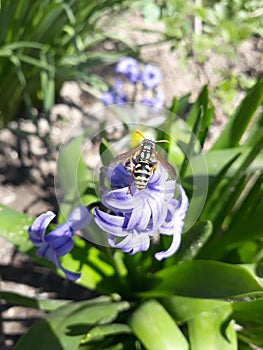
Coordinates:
129 67
115 95
151 76
156 102
58 242
136 218
108 98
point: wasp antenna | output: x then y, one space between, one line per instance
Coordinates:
140 133
162 141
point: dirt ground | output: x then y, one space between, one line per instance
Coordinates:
28 186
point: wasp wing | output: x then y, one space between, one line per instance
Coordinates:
168 167
122 158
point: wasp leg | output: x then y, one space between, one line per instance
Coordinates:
155 165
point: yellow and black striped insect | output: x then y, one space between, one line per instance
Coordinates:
142 161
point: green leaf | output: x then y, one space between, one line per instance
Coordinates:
232 159
92 265
47 79
106 153
237 125
245 228
41 304
183 309
193 241
72 176
235 186
213 329
156 329
60 329
248 312
182 105
13 228
255 132
103 331
249 315
200 115
204 279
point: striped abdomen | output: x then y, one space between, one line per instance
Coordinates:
142 172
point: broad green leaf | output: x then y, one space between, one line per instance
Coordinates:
92 265
248 312
100 332
193 241
183 309
204 279
72 171
13 228
60 329
41 304
213 329
248 315
156 329
237 125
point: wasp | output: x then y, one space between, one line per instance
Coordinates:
141 164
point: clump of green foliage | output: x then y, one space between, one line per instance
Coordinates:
43 44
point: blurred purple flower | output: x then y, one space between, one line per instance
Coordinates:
129 67
155 102
58 242
151 76
108 98
115 95
136 218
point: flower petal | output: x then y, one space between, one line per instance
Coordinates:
173 248
151 76
72 276
79 218
158 209
178 224
60 239
37 230
46 251
141 214
119 176
167 227
119 200
108 98
133 243
129 67
112 224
